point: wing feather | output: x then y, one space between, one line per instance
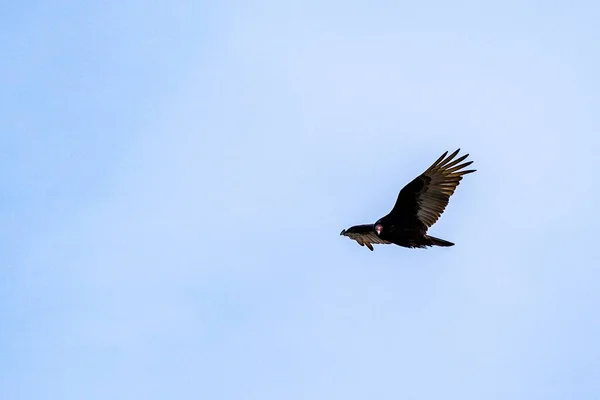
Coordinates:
423 200
364 235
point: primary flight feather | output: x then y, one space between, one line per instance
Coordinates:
419 205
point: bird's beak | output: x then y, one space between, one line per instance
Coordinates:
342 232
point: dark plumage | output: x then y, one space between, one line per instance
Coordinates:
419 205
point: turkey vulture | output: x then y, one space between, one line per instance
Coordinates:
419 205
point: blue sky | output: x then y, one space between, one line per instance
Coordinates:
175 176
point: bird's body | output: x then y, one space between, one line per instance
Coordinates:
419 205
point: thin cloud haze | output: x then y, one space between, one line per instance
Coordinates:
176 177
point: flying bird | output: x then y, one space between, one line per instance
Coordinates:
419 205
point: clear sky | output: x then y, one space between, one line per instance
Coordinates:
175 176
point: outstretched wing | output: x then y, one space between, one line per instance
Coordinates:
364 235
424 199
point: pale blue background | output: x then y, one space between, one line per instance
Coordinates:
175 176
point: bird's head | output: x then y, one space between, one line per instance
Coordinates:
378 228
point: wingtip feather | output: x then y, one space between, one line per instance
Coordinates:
448 159
438 160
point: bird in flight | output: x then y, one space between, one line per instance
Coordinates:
419 205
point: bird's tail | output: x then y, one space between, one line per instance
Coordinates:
439 242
